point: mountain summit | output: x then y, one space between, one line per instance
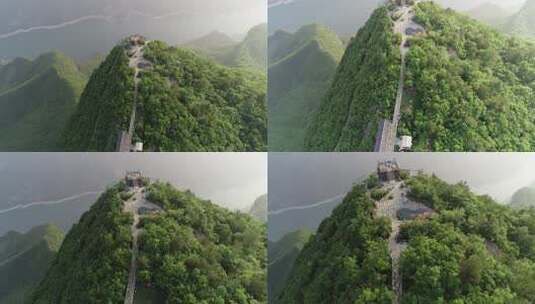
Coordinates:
149 242
168 99
408 237
421 71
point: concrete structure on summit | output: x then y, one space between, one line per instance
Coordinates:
388 171
134 179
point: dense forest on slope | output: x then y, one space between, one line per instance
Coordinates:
185 103
24 260
281 257
347 260
248 54
363 90
197 252
92 263
104 108
469 88
301 67
471 250
36 100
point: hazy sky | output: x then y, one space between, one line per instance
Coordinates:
56 184
466 5
303 179
345 17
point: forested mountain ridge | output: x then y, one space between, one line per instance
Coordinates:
24 260
467 87
481 96
36 100
184 103
469 249
301 66
92 263
362 92
188 251
199 252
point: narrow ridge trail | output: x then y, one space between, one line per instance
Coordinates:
133 206
405 26
134 49
389 206
136 60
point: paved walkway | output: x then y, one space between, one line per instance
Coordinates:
404 22
389 206
133 206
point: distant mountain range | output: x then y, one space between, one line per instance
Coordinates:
36 100
83 28
24 260
345 17
259 208
301 66
281 257
490 13
523 198
522 23
251 52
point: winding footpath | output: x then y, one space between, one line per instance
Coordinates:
133 206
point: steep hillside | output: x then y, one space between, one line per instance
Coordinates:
346 261
465 87
24 260
198 252
524 197
446 245
36 100
179 102
155 244
259 208
363 90
249 53
470 88
92 263
282 255
301 66
522 22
